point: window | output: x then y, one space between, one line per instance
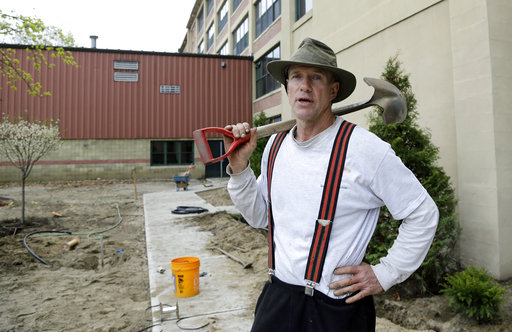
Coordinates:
241 37
200 48
265 83
267 11
224 49
200 20
172 153
209 6
223 16
211 33
302 7
236 3
274 119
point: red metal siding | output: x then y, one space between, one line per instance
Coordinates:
90 105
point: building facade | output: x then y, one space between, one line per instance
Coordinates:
121 112
458 55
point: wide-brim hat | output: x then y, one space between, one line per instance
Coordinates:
314 53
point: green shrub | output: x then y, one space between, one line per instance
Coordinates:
475 293
413 145
259 120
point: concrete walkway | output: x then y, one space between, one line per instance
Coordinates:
219 305
223 307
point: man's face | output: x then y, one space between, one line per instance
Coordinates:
310 91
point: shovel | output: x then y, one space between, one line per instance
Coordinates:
385 95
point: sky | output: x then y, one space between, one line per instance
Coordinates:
139 25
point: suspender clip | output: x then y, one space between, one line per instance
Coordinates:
309 290
271 273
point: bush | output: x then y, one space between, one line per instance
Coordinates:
413 145
474 293
255 159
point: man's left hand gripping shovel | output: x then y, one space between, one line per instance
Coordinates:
385 95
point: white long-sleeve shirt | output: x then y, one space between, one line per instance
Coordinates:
373 176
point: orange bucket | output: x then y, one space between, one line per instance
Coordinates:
185 276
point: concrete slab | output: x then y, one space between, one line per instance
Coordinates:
222 306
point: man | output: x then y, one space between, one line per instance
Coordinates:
318 281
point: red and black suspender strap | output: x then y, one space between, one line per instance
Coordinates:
323 226
270 167
327 210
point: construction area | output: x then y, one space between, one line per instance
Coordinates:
112 270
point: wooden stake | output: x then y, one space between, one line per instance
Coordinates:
101 249
134 176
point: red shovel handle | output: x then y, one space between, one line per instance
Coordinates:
204 148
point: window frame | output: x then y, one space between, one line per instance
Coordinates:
210 31
182 157
265 83
222 19
224 49
267 12
200 20
209 6
200 47
241 42
236 3
301 8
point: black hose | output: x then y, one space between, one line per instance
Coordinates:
31 252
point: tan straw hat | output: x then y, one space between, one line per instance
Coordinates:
315 53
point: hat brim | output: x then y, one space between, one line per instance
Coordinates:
278 70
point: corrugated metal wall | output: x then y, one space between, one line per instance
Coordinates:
91 105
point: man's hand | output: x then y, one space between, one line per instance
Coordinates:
239 159
363 280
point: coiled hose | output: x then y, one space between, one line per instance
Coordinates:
89 235
30 250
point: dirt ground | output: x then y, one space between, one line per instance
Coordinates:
102 283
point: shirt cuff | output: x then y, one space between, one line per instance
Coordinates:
243 175
384 276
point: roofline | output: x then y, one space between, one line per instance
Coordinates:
193 13
103 50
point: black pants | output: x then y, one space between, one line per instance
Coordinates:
284 307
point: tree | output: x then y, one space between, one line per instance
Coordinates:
255 159
23 143
41 41
413 145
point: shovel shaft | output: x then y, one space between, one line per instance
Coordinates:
274 128
385 95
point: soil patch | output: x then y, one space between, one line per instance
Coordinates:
102 284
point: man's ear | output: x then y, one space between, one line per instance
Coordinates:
334 89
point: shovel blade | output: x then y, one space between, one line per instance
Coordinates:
390 98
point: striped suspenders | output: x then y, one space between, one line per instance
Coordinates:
323 226
270 167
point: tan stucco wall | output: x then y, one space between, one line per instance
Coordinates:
364 51
482 79
457 53
499 14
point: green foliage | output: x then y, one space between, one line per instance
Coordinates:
474 293
259 120
413 145
43 42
